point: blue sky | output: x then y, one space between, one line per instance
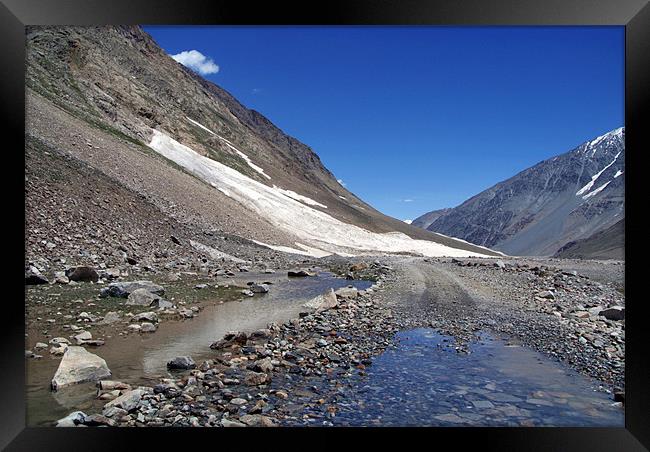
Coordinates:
420 118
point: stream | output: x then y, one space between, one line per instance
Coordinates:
142 359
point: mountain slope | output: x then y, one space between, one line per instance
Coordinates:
424 221
606 244
536 212
111 98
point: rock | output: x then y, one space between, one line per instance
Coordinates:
134 327
147 327
499 263
358 267
78 366
127 401
347 292
97 419
123 289
238 401
229 423
61 278
263 365
281 394
111 317
33 276
300 273
113 411
161 304
175 240
323 302
40 346
145 316
547 294
141 297
181 362
581 314
59 349
613 313
72 420
257 420
259 288
256 378
82 273
109 385
83 336
247 292
269 270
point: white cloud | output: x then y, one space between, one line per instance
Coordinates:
407 200
340 181
196 61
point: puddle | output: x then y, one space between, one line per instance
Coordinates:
423 381
141 359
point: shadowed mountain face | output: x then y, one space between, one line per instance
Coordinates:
563 199
605 244
192 150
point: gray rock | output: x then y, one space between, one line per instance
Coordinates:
123 289
33 276
546 294
229 423
127 401
111 317
323 302
347 292
78 366
145 317
147 327
181 362
141 297
83 336
259 288
72 420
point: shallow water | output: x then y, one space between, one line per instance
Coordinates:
141 359
423 381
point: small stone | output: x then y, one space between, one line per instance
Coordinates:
181 362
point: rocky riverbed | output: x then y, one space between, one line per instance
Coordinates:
308 370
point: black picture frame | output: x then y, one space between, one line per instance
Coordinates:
634 15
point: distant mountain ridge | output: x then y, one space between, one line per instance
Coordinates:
562 199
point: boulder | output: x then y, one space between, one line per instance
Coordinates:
72 420
347 292
259 288
358 267
300 273
547 294
161 304
181 362
123 289
111 317
613 313
145 317
147 327
33 276
323 302
141 297
60 278
77 366
256 378
83 336
82 273
127 401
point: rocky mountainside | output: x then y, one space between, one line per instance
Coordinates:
536 212
424 221
606 244
125 146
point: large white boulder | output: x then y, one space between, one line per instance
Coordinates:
77 366
323 302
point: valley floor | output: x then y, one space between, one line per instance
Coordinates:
536 353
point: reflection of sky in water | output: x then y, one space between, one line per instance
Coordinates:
424 381
283 301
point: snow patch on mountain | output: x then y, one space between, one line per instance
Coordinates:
297 197
290 215
231 146
590 184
